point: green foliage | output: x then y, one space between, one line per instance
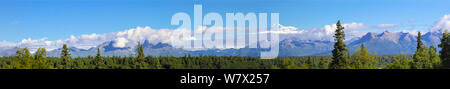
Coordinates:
425 58
185 62
362 60
419 41
421 59
340 52
22 60
400 62
289 64
445 49
323 63
170 62
141 60
140 53
434 58
65 56
40 59
99 63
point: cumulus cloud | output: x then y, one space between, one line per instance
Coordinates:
35 43
442 24
126 38
86 41
130 37
121 42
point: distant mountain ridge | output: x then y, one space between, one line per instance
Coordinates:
383 43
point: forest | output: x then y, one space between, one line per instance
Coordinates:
424 58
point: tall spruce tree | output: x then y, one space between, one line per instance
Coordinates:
419 41
340 52
421 58
65 56
141 62
445 49
98 56
140 54
98 60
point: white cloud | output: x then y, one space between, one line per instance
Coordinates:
34 44
121 42
127 38
86 41
442 24
130 37
286 30
324 33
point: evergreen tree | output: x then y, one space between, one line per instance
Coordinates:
340 52
434 58
323 64
157 63
400 62
99 60
445 49
289 64
421 58
140 54
17 63
19 53
98 56
141 61
419 41
362 59
65 56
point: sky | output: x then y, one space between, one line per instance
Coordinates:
52 20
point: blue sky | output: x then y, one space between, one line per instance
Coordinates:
58 19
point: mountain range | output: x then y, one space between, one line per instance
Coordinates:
383 43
